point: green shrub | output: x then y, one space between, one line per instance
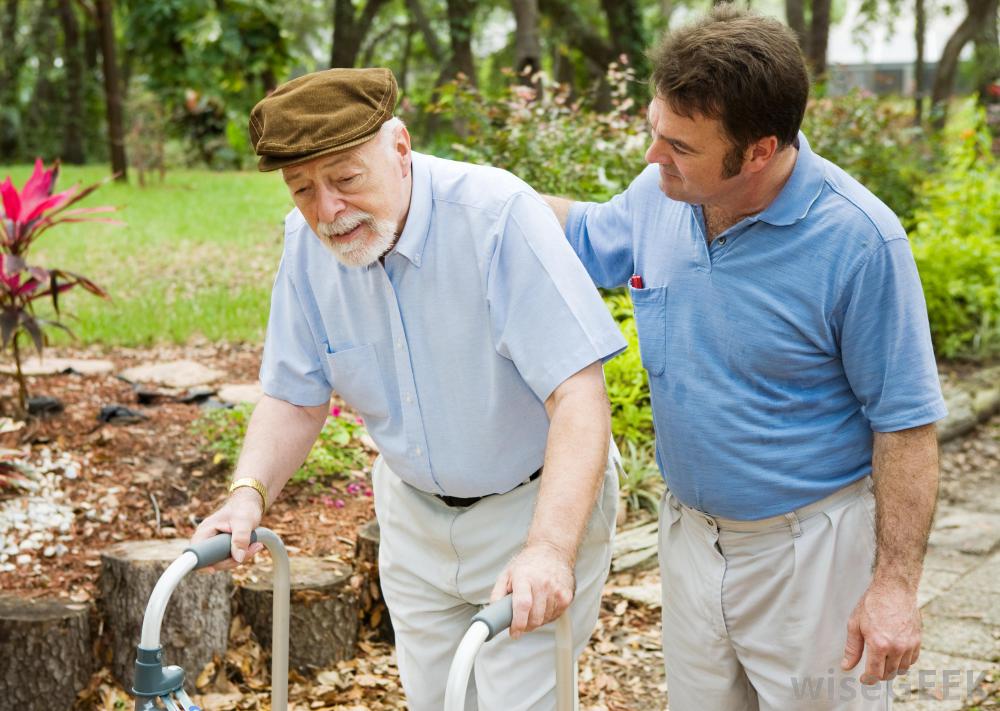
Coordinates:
628 388
553 144
956 243
875 141
338 450
640 484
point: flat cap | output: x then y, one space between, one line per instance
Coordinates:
320 113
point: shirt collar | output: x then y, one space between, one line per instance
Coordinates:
418 219
800 192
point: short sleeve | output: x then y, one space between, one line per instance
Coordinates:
291 369
546 315
886 342
601 234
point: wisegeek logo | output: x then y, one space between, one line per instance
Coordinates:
931 684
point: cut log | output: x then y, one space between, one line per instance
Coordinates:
196 623
970 401
324 613
635 548
374 614
45 653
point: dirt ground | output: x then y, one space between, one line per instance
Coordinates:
156 479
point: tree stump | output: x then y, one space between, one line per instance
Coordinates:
196 623
374 614
324 612
45 656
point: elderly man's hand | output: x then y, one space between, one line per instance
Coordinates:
240 515
542 582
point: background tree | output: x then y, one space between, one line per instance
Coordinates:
980 14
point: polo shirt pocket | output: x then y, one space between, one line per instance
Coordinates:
650 306
355 377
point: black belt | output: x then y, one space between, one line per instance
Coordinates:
461 502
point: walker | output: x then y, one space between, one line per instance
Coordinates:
157 687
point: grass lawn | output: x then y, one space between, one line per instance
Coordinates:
196 258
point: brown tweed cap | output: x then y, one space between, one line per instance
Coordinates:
320 113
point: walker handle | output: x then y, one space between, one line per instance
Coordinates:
215 549
497 615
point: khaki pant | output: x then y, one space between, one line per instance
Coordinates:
755 612
438 565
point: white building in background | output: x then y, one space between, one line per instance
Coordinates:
880 57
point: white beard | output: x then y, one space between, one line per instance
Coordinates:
362 250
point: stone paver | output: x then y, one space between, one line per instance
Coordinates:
173 374
54 366
239 393
959 636
934 583
966 531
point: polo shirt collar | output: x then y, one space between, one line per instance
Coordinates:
418 219
800 192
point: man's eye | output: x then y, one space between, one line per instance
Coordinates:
300 191
349 179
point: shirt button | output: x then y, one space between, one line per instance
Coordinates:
418 451
722 241
408 397
399 344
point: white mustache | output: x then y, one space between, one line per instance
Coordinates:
344 224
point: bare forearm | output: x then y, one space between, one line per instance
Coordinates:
575 459
560 206
278 440
905 471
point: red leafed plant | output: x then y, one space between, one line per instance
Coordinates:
26 215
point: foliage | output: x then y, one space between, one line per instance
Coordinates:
640 483
338 450
27 214
628 388
956 242
552 143
875 142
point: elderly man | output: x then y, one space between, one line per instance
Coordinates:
794 389
441 302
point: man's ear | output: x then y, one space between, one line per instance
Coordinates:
760 153
402 146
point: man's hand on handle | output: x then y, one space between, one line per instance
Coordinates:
240 515
542 582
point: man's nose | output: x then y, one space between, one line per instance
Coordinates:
657 154
330 205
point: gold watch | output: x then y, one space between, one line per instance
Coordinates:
251 484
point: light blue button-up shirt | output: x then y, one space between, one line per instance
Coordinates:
451 348
775 352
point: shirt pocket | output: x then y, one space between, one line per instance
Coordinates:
650 307
355 377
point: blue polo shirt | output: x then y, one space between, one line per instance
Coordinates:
775 352
451 348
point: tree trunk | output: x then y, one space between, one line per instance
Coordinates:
74 115
819 35
795 15
920 36
324 612
627 36
979 12
112 90
350 30
45 648
599 53
196 624
460 17
527 42
987 57
419 18
374 614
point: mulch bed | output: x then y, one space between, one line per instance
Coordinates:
157 479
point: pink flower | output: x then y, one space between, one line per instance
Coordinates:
334 411
327 501
359 420
368 492
353 488
338 504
